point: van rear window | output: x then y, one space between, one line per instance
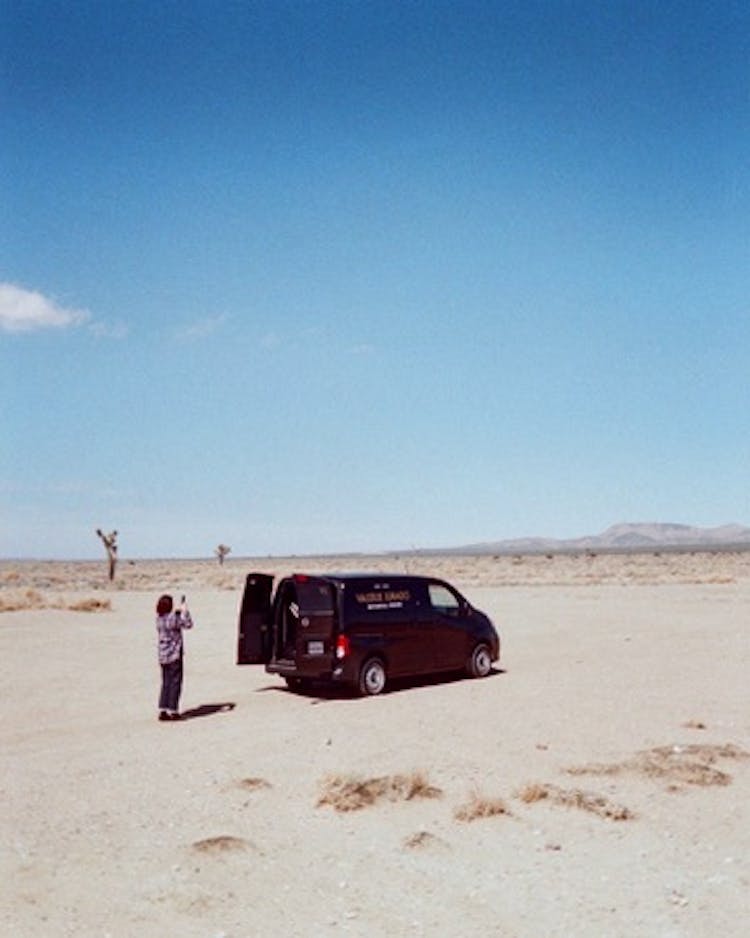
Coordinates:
315 597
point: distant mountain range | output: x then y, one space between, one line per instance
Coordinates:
622 537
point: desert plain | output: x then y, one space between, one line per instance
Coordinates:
597 783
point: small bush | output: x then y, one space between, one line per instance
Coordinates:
91 605
533 792
479 806
253 784
21 601
574 798
224 843
352 793
30 600
692 764
423 840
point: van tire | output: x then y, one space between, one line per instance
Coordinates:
372 678
480 662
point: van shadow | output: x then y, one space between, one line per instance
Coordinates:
319 693
207 710
397 685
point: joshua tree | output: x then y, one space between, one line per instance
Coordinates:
110 543
221 552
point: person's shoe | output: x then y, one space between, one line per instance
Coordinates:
163 715
173 717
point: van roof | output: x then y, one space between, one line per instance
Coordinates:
340 579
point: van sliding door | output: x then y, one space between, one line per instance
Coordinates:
450 639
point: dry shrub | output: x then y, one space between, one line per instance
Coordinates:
352 793
693 764
590 801
598 768
478 806
416 785
21 600
690 765
224 843
422 840
31 599
532 792
575 798
253 784
90 605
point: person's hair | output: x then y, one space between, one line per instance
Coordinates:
164 606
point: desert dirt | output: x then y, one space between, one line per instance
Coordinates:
596 784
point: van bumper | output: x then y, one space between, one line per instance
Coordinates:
335 672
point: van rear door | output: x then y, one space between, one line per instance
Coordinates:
316 598
254 638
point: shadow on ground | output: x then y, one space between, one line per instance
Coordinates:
207 710
320 692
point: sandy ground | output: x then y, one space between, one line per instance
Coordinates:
612 746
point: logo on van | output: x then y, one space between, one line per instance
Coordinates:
383 599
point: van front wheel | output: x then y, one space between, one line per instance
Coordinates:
371 678
480 662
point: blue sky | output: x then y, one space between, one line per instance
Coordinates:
325 276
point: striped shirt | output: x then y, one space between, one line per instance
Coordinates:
169 629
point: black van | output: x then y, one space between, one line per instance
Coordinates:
361 629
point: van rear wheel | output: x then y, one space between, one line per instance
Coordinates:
372 678
480 662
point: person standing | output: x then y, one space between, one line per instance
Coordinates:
169 625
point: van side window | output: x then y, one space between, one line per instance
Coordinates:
443 600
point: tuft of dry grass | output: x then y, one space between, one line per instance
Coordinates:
593 802
18 600
692 764
533 792
574 798
479 806
253 784
90 605
422 840
21 600
352 793
598 768
223 843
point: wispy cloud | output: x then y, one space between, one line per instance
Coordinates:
202 327
270 340
109 330
313 337
24 310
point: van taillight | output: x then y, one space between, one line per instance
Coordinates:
342 646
